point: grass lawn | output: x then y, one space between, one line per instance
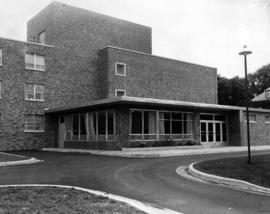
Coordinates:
53 200
258 172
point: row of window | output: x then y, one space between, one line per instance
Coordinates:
144 125
36 92
33 123
33 92
95 126
150 125
33 61
120 70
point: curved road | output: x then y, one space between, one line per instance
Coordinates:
151 180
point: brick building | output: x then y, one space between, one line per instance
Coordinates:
86 80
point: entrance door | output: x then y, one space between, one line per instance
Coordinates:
212 132
61 132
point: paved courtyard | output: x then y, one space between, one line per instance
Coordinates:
152 180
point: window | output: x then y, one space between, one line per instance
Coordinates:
35 62
0 88
252 118
33 123
143 125
95 126
267 119
120 92
41 37
1 56
175 125
120 69
215 117
34 92
103 125
76 127
162 125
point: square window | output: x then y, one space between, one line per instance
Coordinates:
34 62
120 92
34 92
120 69
33 123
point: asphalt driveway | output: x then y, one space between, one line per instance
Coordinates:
152 180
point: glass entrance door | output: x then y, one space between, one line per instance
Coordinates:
213 131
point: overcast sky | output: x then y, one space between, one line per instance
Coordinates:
208 32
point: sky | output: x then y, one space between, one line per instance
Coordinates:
206 32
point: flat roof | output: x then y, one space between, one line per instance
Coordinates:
26 42
152 55
150 101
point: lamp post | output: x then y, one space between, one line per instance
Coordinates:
246 52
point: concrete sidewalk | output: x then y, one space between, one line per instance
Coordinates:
162 151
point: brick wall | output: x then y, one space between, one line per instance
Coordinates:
77 35
13 107
234 128
259 131
156 77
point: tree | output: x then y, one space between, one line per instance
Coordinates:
260 80
232 91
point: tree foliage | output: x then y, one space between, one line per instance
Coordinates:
260 80
232 91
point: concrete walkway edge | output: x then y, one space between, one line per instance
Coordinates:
21 162
148 208
160 151
234 183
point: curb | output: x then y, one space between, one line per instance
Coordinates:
230 182
134 203
101 152
148 154
20 162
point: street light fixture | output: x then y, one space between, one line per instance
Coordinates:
246 52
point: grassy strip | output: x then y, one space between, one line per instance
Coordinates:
258 172
57 200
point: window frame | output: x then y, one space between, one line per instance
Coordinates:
43 38
106 125
183 134
34 92
35 62
144 136
41 117
158 135
120 90
97 136
116 69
